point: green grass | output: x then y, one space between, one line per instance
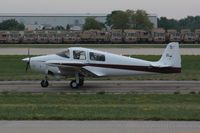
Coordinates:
94 45
49 106
12 68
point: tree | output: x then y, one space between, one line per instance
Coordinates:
132 19
11 24
165 23
92 23
118 20
129 19
189 22
141 20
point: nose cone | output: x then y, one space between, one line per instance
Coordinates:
25 59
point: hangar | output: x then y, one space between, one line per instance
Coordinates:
54 20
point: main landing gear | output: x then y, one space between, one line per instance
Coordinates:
75 85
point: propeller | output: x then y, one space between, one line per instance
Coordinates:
28 61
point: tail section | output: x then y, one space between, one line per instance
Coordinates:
171 56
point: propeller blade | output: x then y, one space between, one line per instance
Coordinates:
27 66
29 60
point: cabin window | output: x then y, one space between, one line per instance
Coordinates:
65 54
79 55
97 57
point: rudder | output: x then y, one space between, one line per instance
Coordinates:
171 56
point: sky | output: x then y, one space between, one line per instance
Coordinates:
170 8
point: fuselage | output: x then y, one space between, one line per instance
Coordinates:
109 65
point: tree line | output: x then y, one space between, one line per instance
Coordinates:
118 19
138 19
190 22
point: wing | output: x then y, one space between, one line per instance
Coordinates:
69 68
91 72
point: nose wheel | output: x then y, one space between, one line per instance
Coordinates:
44 83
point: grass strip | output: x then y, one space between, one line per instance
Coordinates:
52 106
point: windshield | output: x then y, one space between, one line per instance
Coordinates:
65 54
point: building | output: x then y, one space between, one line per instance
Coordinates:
58 19
153 18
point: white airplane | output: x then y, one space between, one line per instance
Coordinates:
81 62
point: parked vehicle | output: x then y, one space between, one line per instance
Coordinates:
55 37
42 37
100 36
3 36
29 37
71 37
173 36
130 36
14 37
116 36
158 35
187 36
144 36
197 35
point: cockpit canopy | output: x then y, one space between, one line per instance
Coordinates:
80 54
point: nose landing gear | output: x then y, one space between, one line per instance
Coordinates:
44 83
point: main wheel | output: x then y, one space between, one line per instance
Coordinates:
73 84
44 83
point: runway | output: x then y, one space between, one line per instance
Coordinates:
108 86
99 127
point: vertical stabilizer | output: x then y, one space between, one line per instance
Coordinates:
171 56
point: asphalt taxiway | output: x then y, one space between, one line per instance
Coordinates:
110 86
99 127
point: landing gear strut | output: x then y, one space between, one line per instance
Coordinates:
44 83
81 81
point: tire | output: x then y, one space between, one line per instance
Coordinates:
74 85
44 83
